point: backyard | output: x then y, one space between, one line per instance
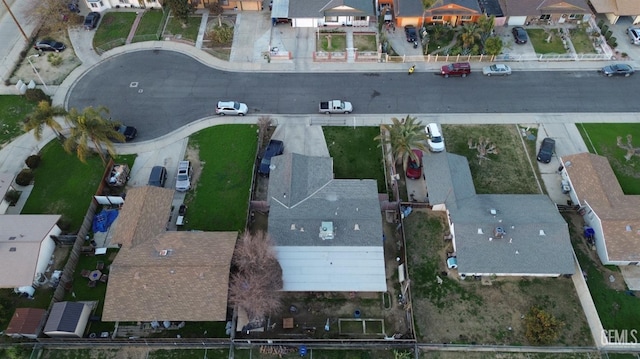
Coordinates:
508 171
487 311
601 139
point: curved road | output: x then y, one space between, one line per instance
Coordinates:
159 91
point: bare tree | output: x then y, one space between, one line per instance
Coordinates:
256 284
53 15
631 151
485 147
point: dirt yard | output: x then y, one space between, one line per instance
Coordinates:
483 310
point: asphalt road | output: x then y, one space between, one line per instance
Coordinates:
158 91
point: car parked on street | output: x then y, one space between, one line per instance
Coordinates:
274 148
414 168
634 35
91 20
411 33
497 70
546 150
617 70
520 35
461 69
158 176
49 45
129 132
183 180
231 108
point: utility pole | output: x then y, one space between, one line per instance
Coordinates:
16 20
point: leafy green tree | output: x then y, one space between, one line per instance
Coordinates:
91 127
493 46
470 33
221 34
486 25
541 327
403 136
180 9
44 115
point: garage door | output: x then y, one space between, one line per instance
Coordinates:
517 20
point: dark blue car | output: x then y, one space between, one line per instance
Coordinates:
274 148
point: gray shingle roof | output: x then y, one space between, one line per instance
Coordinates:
319 9
408 8
448 178
64 317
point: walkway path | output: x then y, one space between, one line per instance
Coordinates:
134 27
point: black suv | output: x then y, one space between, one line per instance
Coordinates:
158 176
274 148
91 20
411 33
546 150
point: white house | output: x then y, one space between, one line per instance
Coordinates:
614 216
313 13
102 5
26 247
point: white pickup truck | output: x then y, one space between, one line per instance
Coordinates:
335 106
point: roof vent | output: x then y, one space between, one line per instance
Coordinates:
12 238
293 226
356 227
498 232
12 249
480 231
493 211
164 252
326 231
628 228
542 233
301 229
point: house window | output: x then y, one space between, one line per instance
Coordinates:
224 2
465 18
575 16
330 19
124 2
436 18
94 4
360 18
545 17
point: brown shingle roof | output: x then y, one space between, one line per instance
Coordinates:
144 215
540 7
617 7
188 282
25 321
595 183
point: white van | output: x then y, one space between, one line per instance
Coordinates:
435 139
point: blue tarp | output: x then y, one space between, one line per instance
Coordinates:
103 220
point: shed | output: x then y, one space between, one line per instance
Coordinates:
67 319
25 323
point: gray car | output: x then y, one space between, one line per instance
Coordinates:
634 35
158 176
617 70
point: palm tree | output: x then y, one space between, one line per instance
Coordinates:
42 116
486 25
403 136
470 33
91 127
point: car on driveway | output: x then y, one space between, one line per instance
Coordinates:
49 45
496 70
231 108
617 70
274 148
411 33
183 180
634 35
414 168
91 20
520 35
435 141
158 176
546 150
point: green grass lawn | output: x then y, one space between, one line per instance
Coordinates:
506 172
601 139
338 42
538 38
355 154
114 26
149 26
581 41
365 42
221 198
64 185
13 110
189 31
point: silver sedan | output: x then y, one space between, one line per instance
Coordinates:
497 70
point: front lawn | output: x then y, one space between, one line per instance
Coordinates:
538 38
338 41
509 171
149 26
355 154
64 185
365 42
13 110
601 139
188 31
114 26
220 199
581 41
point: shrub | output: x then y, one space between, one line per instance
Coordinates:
36 95
608 34
25 177
612 41
600 23
54 59
12 197
33 161
604 29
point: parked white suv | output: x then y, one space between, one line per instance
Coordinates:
183 181
634 35
434 138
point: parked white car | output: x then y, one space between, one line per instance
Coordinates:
497 70
434 137
183 181
231 108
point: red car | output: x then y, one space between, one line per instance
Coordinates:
414 169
